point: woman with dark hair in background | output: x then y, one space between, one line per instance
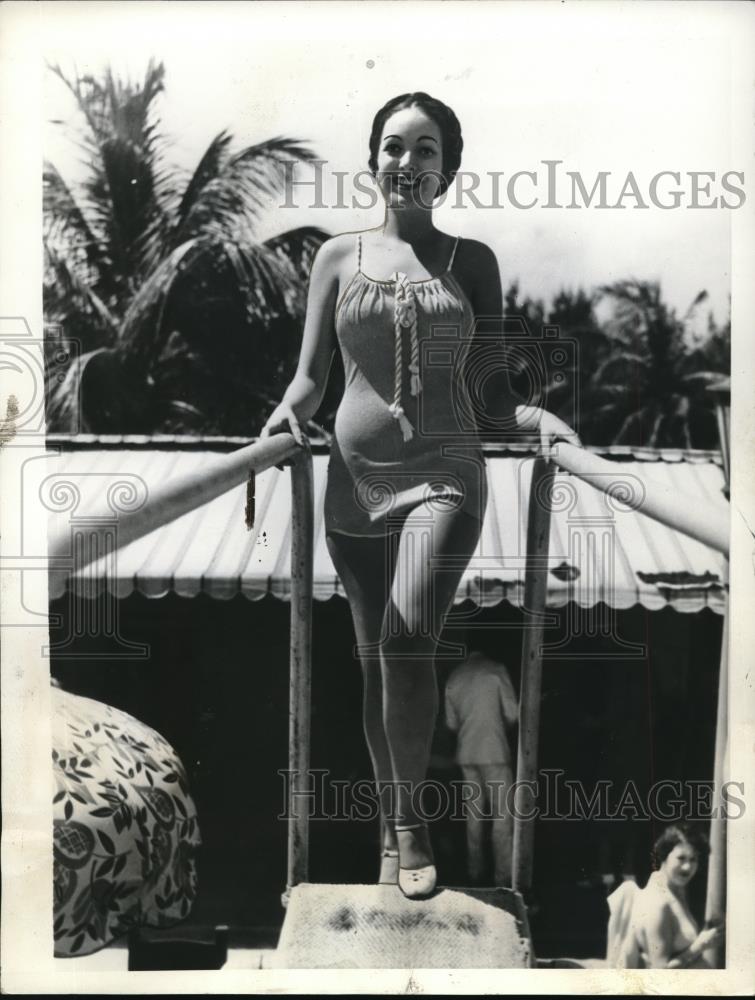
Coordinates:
653 928
407 489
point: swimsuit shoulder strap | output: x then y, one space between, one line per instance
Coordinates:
453 253
359 252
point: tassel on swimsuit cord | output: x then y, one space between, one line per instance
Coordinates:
397 411
404 315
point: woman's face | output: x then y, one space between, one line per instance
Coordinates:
681 864
410 159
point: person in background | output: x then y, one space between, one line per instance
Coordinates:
653 928
482 709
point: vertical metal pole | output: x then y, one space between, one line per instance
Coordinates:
715 896
535 592
715 899
299 707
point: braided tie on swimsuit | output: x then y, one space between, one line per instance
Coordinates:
404 316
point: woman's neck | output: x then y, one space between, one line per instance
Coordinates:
678 892
413 225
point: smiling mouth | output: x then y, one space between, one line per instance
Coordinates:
405 183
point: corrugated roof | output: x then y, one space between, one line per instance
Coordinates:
600 550
222 442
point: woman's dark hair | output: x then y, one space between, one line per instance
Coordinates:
679 833
444 118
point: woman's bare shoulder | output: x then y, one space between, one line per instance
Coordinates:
475 254
476 269
476 266
340 245
652 906
335 252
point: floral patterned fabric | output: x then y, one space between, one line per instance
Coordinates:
125 829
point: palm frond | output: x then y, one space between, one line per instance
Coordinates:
83 89
125 194
249 184
267 286
141 334
636 305
65 219
63 405
621 359
702 379
67 291
298 246
209 167
617 390
655 430
632 291
631 421
65 408
113 106
125 170
268 281
596 413
701 297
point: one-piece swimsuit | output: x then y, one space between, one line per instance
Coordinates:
405 429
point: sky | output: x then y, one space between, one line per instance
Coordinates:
601 87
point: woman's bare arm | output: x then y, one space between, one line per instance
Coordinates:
709 937
304 393
500 403
482 280
661 929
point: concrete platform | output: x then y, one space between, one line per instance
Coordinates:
376 927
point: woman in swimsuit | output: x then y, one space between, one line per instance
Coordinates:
406 489
653 928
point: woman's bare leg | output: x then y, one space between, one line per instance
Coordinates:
364 568
434 550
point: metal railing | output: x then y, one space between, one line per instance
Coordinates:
172 499
691 515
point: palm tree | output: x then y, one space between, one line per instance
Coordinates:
185 320
566 344
651 389
572 314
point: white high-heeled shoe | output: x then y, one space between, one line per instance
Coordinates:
416 883
388 867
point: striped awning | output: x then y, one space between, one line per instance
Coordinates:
600 550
